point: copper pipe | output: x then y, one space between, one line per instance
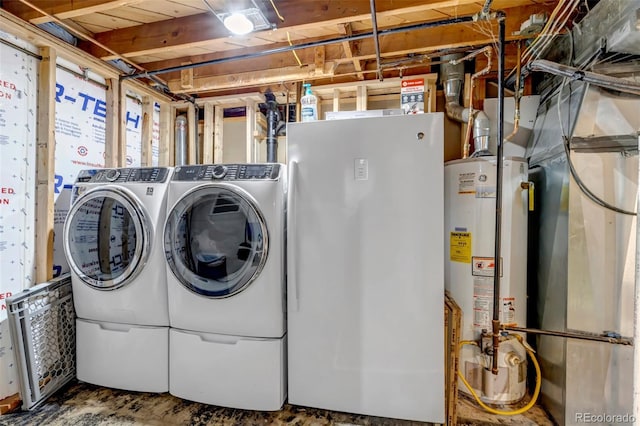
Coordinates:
516 112
488 53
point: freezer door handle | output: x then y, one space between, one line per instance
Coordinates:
292 276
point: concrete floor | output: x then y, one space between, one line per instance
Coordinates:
81 404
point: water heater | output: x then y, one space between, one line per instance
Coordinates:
470 209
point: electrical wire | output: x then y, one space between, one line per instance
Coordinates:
295 55
536 391
280 17
554 29
576 177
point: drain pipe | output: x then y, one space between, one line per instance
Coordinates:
273 117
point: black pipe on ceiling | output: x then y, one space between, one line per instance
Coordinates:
374 23
425 25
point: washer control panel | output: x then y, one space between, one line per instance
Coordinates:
125 175
227 172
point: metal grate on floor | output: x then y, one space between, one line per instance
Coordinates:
42 321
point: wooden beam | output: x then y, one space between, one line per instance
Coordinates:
45 160
122 127
361 97
147 131
218 136
65 9
245 73
186 77
319 58
255 78
207 137
349 48
39 38
336 99
166 135
111 124
251 127
431 88
165 36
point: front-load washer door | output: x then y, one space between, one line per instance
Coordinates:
107 238
216 240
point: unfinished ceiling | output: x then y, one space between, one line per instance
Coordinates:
153 35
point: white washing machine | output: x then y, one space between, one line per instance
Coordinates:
225 248
113 243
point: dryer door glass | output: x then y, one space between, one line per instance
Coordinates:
106 239
216 241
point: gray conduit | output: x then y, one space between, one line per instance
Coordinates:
499 166
374 23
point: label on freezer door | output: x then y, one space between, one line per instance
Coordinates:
460 247
361 169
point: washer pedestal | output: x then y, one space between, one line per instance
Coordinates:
123 356
231 371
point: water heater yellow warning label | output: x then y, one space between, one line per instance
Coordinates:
460 247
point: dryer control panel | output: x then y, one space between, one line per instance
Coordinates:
227 172
124 175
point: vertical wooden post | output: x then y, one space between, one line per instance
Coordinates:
147 131
218 136
122 127
166 126
251 125
361 97
431 105
45 164
336 100
207 137
111 123
192 135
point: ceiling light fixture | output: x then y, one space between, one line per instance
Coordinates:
240 17
238 23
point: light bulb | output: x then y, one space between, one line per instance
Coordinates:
238 23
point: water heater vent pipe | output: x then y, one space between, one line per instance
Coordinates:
452 77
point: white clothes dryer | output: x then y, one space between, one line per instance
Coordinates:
113 243
224 242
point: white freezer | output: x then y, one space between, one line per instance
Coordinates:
366 266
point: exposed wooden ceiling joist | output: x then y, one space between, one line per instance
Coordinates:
158 34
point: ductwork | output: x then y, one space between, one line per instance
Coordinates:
452 77
181 129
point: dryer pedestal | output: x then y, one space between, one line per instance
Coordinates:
122 356
231 371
